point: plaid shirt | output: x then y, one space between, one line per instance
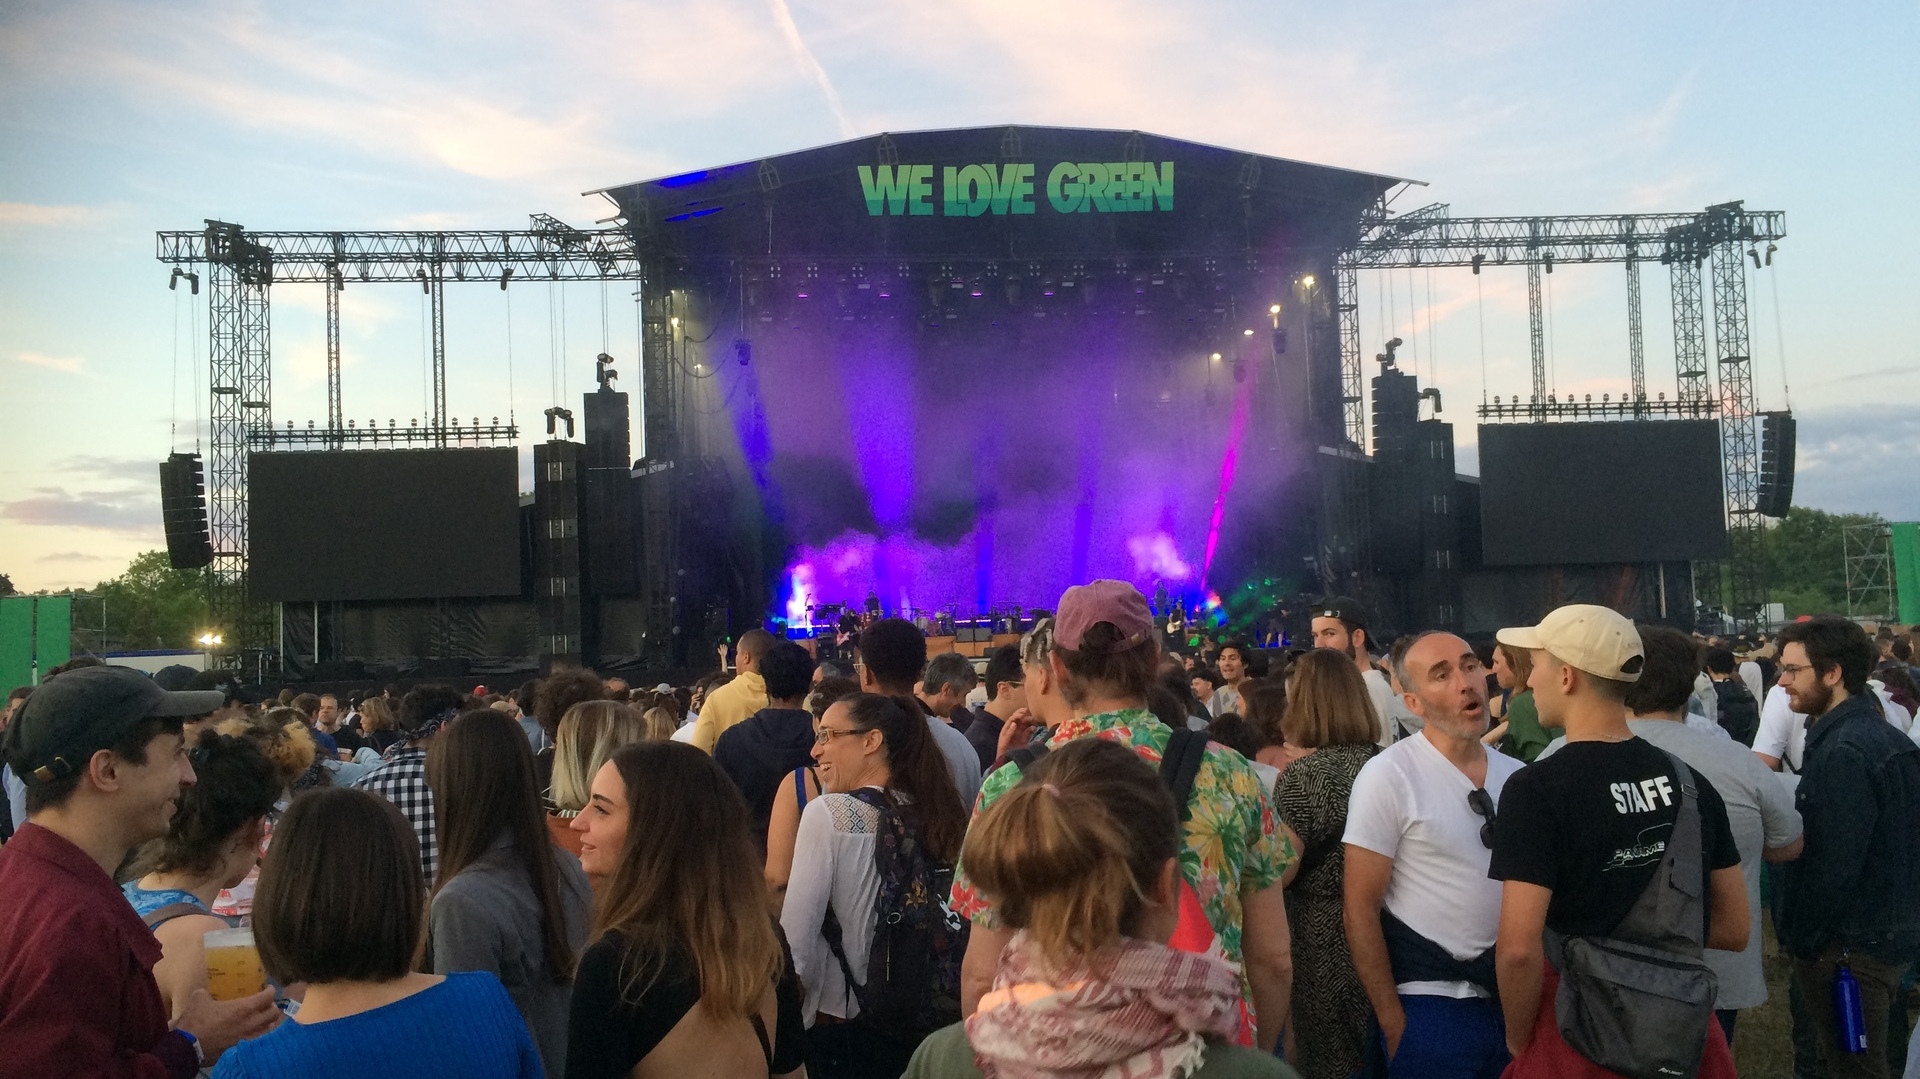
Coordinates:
402 780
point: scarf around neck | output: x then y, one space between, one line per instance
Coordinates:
1136 1011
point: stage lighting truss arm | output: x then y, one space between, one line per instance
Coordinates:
549 251
1430 236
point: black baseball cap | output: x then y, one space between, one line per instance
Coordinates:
76 714
1345 608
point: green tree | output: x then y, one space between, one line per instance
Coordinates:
1806 560
151 605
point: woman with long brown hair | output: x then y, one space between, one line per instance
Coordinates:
506 901
890 806
1081 859
685 973
1329 730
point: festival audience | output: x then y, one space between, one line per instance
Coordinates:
1082 858
1266 705
1232 664
557 693
212 843
685 972
1006 697
893 657
588 734
799 787
889 827
1738 707
1340 623
1205 684
1101 661
1760 811
402 779
1853 898
745 695
1420 914
1518 733
1329 729
376 721
767 747
508 902
948 679
346 919
1579 840
101 753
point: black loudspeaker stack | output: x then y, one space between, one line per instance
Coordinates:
607 512
1777 436
183 511
556 551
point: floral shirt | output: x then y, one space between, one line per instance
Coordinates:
1235 841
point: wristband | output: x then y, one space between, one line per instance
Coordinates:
199 1054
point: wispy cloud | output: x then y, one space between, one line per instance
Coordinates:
70 364
106 511
28 213
783 18
72 556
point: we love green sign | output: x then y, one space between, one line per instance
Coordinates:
973 190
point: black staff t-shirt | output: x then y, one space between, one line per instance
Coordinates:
1590 823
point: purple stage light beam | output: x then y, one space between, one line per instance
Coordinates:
1229 464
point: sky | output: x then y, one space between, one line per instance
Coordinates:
120 119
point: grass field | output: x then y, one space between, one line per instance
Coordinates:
1763 1039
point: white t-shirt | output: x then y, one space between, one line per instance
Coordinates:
1750 674
833 867
1389 711
1409 804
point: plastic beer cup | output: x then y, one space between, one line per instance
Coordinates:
233 964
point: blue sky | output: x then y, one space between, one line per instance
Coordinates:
121 119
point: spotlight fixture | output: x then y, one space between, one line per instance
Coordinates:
1307 280
193 280
1771 248
1274 310
743 350
1754 254
209 639
1216 357
1246 333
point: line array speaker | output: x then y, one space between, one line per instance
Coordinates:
1777 437
183 511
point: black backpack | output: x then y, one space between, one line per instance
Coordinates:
1179 764
912 983
1739 712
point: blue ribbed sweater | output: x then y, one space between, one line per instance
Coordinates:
464 1028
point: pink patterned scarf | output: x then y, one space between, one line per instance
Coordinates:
1136 1011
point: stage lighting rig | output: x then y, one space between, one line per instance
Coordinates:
193 280
557 415
603 372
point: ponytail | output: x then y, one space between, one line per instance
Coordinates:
918 768
1071 853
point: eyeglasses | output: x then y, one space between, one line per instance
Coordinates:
828 734
1482 803
1790 671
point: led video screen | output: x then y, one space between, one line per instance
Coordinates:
383 524
1572 493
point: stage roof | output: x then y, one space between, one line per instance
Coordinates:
999 193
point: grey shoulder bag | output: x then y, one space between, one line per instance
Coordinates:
1639 1000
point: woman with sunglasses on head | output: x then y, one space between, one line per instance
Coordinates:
890 816
684 973
1082 861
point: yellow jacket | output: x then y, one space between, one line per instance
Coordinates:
728 705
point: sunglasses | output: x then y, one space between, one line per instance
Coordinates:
1482 803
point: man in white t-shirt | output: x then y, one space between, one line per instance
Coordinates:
1340 623
1421 913
1232 664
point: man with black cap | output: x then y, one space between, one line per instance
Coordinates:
103 759
1340 623
1581 836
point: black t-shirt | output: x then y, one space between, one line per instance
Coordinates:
1590 823
607 1037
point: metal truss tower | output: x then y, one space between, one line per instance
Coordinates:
1684 241
241 268
1353 396
1867 550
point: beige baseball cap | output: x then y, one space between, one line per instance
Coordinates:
1598 640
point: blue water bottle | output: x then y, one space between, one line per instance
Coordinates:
1848 1017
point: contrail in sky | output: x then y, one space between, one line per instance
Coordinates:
783 15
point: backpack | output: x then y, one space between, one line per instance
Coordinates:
912 983
1739 712
1639 1000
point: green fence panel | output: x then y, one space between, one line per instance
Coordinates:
16 642
1906 571
53 632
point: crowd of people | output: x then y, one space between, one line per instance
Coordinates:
1544 855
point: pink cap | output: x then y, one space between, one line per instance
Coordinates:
1115 602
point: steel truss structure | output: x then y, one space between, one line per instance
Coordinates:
1722 234
241 266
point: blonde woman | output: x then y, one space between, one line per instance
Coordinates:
588 734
